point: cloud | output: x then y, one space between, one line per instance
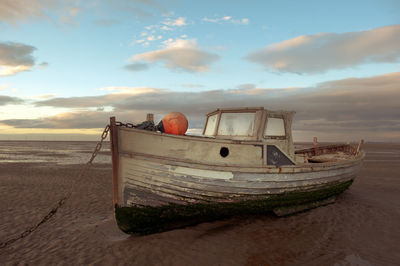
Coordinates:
243 21
12 11
117 95
87 119
350 108
27 123
141 9
165 28
65 11
15 11
44 96
191 85
146 38
69 16
76 120
4 100
136 67
321 52
43 65
179 22
247 86
156 31
15 58
81 102
129 90
9 71
227 19
179 55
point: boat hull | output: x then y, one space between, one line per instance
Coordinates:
158 193
152 219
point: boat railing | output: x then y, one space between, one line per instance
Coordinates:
320 150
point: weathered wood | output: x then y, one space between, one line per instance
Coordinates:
285 143
230 184
199 150
150 117
315 145
328 149
163 181
114 159
359 146
147 219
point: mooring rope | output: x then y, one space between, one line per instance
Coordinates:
61 202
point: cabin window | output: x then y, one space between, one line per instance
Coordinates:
236 124
211 124
275 127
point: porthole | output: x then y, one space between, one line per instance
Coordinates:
224 152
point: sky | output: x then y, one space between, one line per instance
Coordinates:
67 66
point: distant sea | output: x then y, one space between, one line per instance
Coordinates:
55 152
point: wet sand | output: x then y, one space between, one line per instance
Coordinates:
361 228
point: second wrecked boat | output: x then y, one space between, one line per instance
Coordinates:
244 163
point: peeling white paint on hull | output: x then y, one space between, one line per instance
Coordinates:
190 185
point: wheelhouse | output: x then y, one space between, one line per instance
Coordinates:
272 128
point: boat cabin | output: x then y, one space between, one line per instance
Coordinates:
273 128
234 137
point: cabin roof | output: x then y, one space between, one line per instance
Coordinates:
248 109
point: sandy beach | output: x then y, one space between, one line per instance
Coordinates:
361 228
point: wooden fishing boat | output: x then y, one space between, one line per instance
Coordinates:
244 163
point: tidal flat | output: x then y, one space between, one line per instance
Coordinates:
361 228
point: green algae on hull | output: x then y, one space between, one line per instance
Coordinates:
141 220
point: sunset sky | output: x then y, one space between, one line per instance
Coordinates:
67 66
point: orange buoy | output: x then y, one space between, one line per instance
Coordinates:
174 123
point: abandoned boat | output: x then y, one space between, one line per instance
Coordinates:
244 163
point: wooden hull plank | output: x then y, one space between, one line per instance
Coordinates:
152 219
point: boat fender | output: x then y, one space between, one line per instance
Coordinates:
174 123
